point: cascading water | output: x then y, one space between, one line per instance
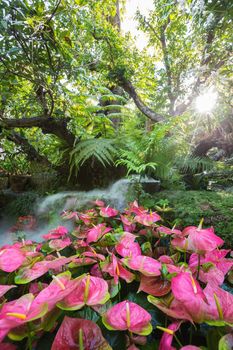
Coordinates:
48 210
114 195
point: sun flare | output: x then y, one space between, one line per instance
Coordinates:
206 102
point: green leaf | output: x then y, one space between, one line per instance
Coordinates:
226 342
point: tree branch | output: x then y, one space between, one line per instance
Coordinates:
27 148
149 113
221 137
48 125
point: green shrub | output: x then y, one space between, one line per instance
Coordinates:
23 204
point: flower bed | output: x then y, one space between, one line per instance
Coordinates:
117 281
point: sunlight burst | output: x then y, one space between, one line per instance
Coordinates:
206 102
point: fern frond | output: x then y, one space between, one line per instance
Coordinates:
102 150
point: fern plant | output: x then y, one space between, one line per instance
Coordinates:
159 154
103 150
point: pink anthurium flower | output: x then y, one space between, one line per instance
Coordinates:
4 289
128 316
220 306
88 216
94 255
172 308
147 219
77 333
144 264
168 231
89 291
56 233
214 266
30 273
61 286
116 270
128 223
95 233
187 291
59 244
135 209
18 312
11 259
212 305
70 215
216 258
108 212
189 302
99 203
185 288
167 337
211 275
198 240
127 246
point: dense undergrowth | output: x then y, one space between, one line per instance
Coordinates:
117 281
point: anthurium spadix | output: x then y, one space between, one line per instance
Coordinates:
115 269
89 291
128 316
61 286
220 306
18 312
77 333
168 334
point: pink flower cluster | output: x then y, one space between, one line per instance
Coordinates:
91 268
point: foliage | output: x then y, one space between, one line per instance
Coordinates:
159 154
102 150
13 161
23 205
190 206
68 72
77 287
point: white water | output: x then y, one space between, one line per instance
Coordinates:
114 195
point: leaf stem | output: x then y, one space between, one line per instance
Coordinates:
198 266
29 336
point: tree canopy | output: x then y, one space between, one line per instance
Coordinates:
69 74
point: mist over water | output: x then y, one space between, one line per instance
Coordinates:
49 209
114 195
